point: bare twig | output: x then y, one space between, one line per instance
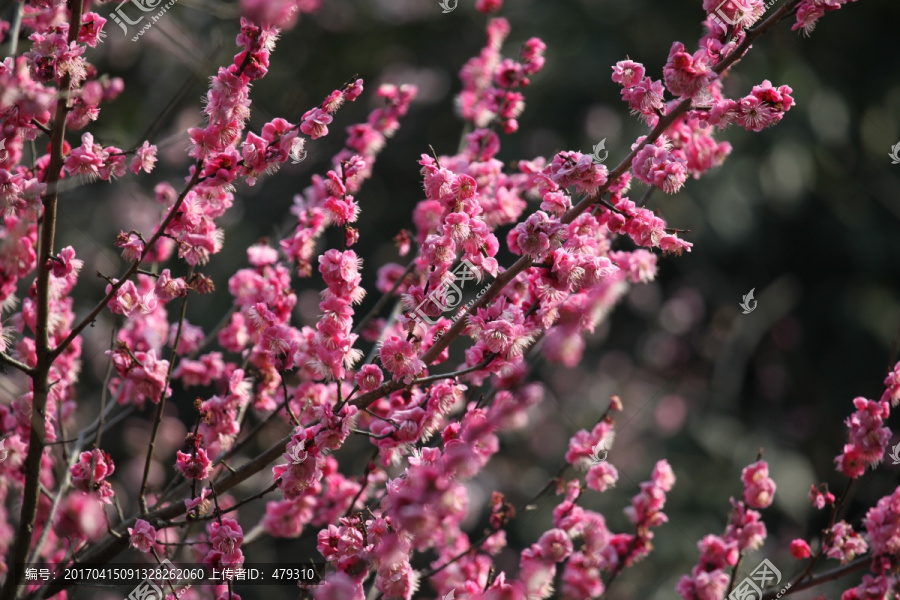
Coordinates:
823 577
16 26
223 511
9 360
101 419
161 406
484 363
733 577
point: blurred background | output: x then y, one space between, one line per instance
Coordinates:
806 213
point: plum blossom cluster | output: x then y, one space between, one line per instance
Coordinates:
429 433
810 11
195 463
882 523
763 107
219 414
745 532
868 437
225 537
329 200
583 448
491 83
282 14
655 165
332 348
738 14
892 387
191 228
643 95
90 472
687 146
142 536
598 550
91 160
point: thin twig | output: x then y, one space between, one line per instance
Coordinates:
101 420
77 329
733 578
162 405
14 29
365 481
823 577
484 363
9 360
63 488
223 511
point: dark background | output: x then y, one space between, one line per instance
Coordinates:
806 213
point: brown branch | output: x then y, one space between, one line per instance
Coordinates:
142 497
620 565
733 578
365 482
484 363
9 360
223 511
823 577
41 371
